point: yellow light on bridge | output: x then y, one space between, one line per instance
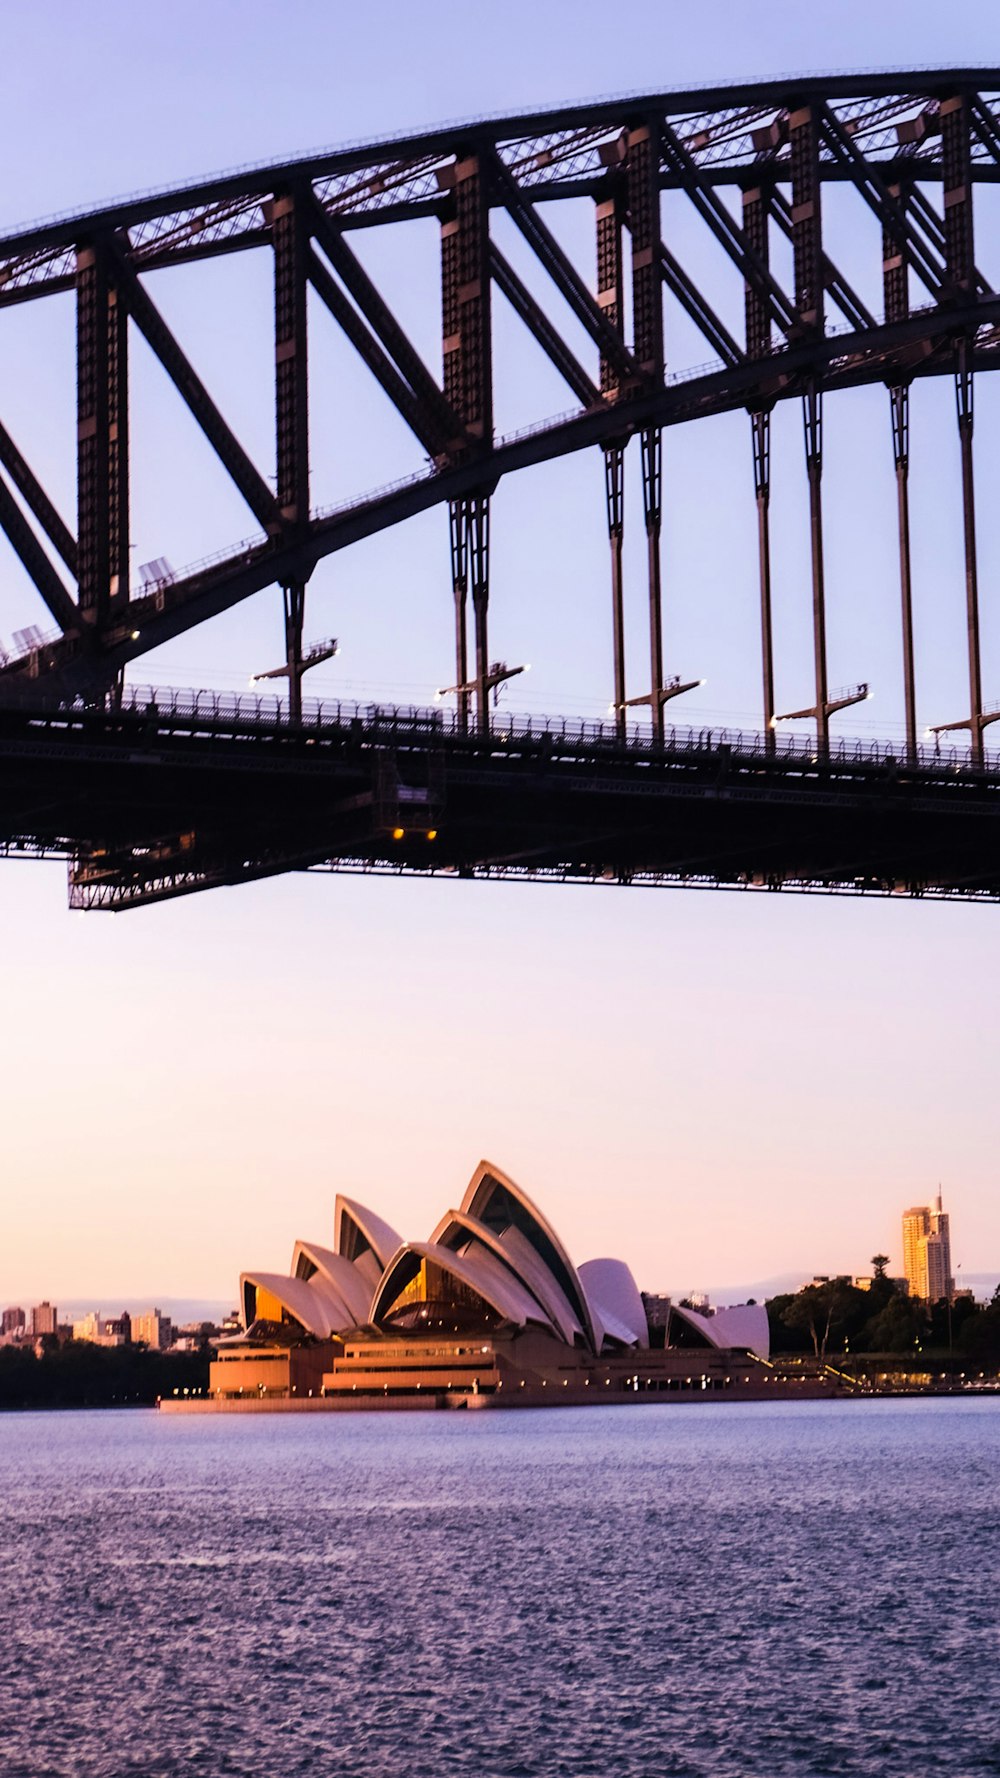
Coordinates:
399 833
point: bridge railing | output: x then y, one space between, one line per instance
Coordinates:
267 711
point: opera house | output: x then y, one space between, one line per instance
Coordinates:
490 1311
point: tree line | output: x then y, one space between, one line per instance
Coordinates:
835 1316
78 1374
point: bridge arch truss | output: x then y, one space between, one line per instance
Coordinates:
755 163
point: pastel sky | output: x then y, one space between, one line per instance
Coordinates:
712 1086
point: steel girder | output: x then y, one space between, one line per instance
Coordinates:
890 138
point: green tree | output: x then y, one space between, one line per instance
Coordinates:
979 1336
899 1327
824 1311
784 1337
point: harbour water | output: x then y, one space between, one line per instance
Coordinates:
697 1591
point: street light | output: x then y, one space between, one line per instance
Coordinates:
313 657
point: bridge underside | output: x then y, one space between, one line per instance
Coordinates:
151 802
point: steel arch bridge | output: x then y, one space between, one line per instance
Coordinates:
90 770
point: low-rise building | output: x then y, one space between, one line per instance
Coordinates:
93 1330
153 1330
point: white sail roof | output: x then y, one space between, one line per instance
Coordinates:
514 1251
614 1295
339 1279
311 1308
479 1270
352 1220
744 1328
494 1198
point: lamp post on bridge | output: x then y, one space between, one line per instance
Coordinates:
295 669
483 684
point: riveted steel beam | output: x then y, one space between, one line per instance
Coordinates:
37 500
614 488
458 537
812 416
567 280
896 299
697 307
466 306
188 384
440 418
542 329
932 226
478 521
964 396
370 351
642 170
726 229
883 199
899 398
921 342
36 562
609 219
834 283
758 203
467 351
760 424
290 242
956 152
102 434
611 284
806 217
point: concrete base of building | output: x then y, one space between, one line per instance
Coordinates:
425 1400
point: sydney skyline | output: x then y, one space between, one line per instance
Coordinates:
717 1086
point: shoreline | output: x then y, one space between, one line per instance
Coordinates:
454 1401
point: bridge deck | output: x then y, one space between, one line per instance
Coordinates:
176 792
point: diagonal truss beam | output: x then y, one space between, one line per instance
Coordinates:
727 231
441 418
35 497
37 564
933 228
860 361
542 329
188 384
846 299
377 360
986 126
562 271
695 305
892 214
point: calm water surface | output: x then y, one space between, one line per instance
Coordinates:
738 1591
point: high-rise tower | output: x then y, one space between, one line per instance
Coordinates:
927 1252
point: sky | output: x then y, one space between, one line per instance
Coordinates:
714 1087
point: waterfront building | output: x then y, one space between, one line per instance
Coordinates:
153 1330
927 1252
44 1320
95 1331
13 1321
490 1303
